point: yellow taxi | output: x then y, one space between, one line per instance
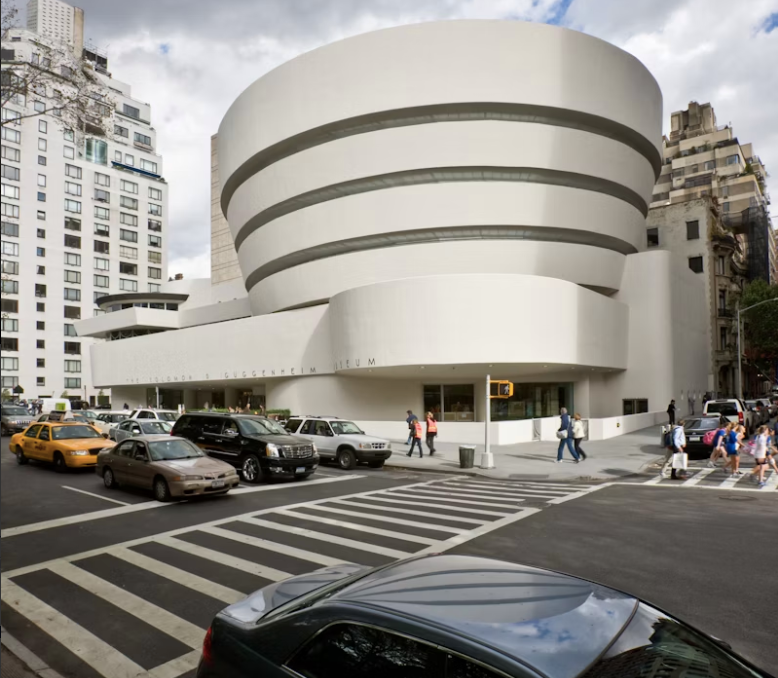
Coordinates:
66 444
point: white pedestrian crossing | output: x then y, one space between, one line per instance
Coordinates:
715 479
219 561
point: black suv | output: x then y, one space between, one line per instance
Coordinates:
258 447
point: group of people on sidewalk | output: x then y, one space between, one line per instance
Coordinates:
570 433
415 432
728 443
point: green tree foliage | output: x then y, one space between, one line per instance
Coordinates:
761 323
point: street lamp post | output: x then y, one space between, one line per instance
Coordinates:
739 351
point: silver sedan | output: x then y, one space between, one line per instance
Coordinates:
137 427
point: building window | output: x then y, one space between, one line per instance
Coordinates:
41 196
40 307
72 188
42 145
722 338
102 247
128 269
156 210
695 264
68 135
69 152
155 257
155 241
73 241
73 312
710 165
131 111
73 366
72 294
128 236
40 343
120 131
128 219
129 203
10 382
634 406
722 300
40 251
733 159
155 225
10 364
40 325
70 330
40 362
129 186
73 277
155 193
72 171
725 207
9 344
128 252
101 281
42 180
12 154
721 266
73 206
455 402
72 224
129 160
10 228
12 135
10 172
72 259
10 248
97 151
153 287
102 213
10 325
72 347
678 173
40 291
128 285
148 166
693 230
142 139
40 381
10 210
155 273
102 264
72 382
9 191
9 306
10 267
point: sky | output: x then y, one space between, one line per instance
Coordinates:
190 59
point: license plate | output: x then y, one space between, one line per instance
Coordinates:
300 469
217 483
694 439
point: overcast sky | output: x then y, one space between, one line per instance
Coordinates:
191 58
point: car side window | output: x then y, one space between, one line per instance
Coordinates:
457 667
140 451
307 428
44 434
230 428
124 449
355 651
145 415
292 425
33 431
212 426
322 429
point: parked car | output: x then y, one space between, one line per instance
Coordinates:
66 444
91 415
172 467
734 410
14 418
107 421
130 428
695 429
162 415
455 617
760 411
341 441
258 446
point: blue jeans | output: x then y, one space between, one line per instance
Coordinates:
561 450
415 441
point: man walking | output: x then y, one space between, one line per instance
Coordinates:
411 418
671 412
565 435
677 446
416 439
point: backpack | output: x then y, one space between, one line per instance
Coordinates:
669 438
707 439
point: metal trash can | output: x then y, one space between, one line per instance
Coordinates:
466 456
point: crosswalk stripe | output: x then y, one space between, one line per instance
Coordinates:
332 539
155 616
390 519
429 494
175 668
493 495
182 577
530 483
87 647
410 512
509 492
359 528
655 480
730 482
224 559
771 483
699 476
418 502
292 551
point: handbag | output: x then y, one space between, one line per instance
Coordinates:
680 460
561 434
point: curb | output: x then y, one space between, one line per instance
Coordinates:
35 665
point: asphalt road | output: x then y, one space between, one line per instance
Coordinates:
100 588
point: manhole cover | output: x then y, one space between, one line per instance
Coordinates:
738 498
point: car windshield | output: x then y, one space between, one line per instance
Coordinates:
167 416
342 428
73 432
162 450
15 412
702 424
115 418
80 417
260 427
727 409
89 414
151 427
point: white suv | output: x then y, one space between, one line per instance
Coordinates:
163 415
733 409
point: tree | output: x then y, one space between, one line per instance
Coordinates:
52 81
760 329
64 394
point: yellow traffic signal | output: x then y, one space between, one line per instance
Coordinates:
500 389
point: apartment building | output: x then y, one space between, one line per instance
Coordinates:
84 216
702 158
57 21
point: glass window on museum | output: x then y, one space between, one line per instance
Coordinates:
533 401
450 402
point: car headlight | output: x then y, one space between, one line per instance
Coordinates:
314 448
388 446
79 453
271 450
187 478
231 472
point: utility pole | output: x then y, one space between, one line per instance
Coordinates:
739 346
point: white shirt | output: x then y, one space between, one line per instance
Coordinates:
679 437
578 429
760 446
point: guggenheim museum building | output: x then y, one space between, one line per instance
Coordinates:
408 210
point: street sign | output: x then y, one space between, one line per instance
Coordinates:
500 389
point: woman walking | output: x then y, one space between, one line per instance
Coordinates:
718 444
732 446
565 435
432 431
761 444
578 435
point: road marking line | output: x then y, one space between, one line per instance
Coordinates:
509 492
463 509
341 541
357 527
527 484
729 482
495 496
301 554
389 519
34 663
575 495
224 559
243 489
698 477
177 667
655 481
192 581
153 615
771 483
410 512
92 494
432 494
89 648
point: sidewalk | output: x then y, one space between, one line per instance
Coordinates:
606 459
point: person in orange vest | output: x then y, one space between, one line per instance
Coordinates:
432 431
416 438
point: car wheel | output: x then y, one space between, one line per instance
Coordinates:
108 478
250 468
161 490
20 458
59 463
376 464
346 459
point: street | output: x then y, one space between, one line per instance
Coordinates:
111 583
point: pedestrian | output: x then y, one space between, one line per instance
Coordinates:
432 431
732 445
677 446
416 440
40 407
762 442
578 435
718 445
126 406
409 420
565 435
671 412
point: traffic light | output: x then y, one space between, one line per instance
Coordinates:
500 389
